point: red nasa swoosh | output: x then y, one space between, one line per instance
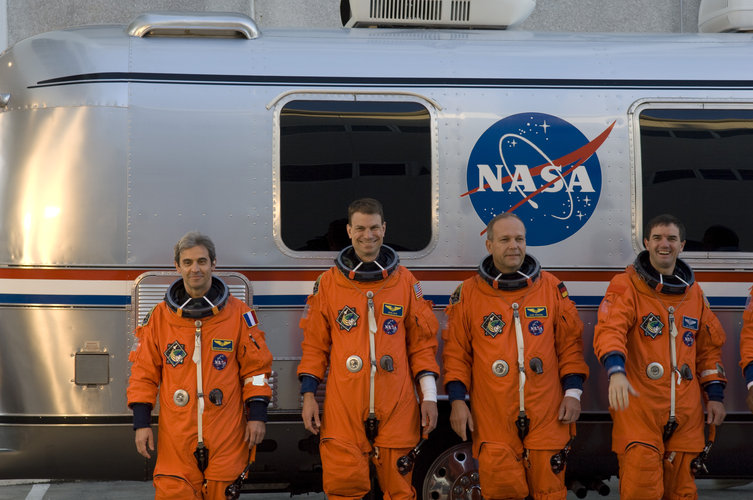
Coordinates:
576 159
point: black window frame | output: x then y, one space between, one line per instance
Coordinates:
698 252
393 214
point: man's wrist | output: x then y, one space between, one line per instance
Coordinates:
428 388
574 393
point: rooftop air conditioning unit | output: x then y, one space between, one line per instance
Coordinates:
725 16
489 14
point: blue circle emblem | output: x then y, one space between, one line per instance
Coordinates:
219 361
688 338
536 327
390 326
541 168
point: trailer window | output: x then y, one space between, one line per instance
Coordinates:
333 152
696 164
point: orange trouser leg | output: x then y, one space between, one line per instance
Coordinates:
394 485
679 483
215 490
175 488
640 473
501 472
543 483
345 470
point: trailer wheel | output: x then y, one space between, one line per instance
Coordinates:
453 475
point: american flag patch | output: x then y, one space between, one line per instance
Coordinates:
417 290
251 319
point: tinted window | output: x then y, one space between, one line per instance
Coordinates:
697 165
333 152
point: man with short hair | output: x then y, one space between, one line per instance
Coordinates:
513 339
661 345
203 351
367 322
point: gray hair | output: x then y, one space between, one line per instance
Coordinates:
194 239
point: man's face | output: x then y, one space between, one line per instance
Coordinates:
196 268
664 245
507 244
366 232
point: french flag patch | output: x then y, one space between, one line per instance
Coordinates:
251 319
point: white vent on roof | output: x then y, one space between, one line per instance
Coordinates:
725 16
497 14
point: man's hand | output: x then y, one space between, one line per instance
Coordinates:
460 418
429 416
569 410
619 391
255 430
144 439
716 412
310 413
749 399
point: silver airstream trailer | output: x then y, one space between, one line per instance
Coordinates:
116 140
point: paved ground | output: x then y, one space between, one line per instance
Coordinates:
129 490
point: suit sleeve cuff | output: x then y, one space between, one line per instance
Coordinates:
572 381
748 373
715 391
614 362
455 390
142 415
256 408
309 383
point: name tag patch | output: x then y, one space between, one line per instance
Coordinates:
536 312
689 323
392 310
222 345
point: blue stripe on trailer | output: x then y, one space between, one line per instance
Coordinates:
65 300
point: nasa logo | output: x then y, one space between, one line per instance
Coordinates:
536 327
540 167
688 338
219 361
389 326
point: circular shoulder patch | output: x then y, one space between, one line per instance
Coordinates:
688 338
536 327
219 361
389 326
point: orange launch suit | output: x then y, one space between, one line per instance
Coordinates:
335 327
627 325
232 354
552 331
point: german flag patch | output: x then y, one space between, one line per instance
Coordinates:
563 290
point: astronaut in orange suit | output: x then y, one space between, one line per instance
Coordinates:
202 350
513 339
746 349
660 344
368 323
